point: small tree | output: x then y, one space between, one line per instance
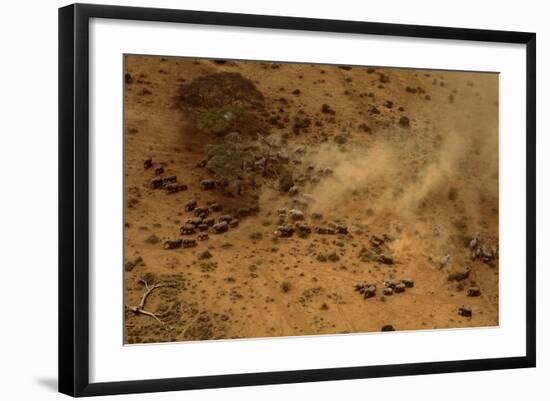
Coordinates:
228 163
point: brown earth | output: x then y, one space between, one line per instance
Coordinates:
422 186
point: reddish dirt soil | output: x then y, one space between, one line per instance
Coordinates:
423 186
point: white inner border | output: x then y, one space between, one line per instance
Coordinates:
111 361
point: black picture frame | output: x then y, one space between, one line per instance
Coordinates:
74 199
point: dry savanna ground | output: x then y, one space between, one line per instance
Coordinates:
271 199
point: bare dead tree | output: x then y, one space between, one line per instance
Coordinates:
139 309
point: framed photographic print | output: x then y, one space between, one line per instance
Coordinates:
249 199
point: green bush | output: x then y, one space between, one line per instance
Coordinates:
226 161
219 120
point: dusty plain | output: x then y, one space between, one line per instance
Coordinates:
358 178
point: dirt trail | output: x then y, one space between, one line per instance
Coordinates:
413 157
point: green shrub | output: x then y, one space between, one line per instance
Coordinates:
226 161
219 120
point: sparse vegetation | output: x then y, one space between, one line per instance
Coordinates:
256 235
205 255
285 286
452 194
152 239
131 264
321 258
